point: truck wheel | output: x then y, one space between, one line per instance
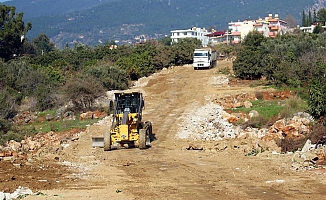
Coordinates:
142 138
107 140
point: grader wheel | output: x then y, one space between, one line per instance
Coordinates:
107 140
142 138
149 135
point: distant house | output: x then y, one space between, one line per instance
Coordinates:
217 37
269 26
199 33
310 29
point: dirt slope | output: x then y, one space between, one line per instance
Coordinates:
167 170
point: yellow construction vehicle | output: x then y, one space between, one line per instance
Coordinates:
127 128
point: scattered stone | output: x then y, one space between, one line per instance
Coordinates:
307 146
194 148
247 104
19 193
253 113
49 117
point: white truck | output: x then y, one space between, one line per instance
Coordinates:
204 58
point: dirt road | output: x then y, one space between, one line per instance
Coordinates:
167 170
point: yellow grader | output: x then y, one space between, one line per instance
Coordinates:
127 127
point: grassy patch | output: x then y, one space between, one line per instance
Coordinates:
293 105
257 83
46 112
59 126
18 133
266 109
271 110
224 70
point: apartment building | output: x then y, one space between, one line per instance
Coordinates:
217 37
269 26
194 32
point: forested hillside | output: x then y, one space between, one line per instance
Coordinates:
40 8
126 19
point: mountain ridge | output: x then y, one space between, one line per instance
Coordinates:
124 20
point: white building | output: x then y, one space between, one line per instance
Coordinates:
310 29
269 26
199 33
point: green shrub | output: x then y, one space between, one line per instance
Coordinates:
318 133
255 122
111 78
5 126
225 71
293 105
317 99
290 144
259 95
10 135
83 92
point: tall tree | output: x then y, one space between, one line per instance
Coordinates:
247 64
321 15
304 19
309 18
314 19
12 31
43 44
292 22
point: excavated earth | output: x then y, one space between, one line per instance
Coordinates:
172 168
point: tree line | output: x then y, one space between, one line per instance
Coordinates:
313 16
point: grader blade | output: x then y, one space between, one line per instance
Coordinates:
98 142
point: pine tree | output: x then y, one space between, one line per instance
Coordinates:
12 31
309 22
304 19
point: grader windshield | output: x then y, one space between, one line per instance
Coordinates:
132 102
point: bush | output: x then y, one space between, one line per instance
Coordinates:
83 92
10 135
293 105
318 133
290 144
111 78
317 99
259 95
5 126
255 122
225 71
9 99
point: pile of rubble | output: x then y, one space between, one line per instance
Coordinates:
237 101
296 127
19 193
32 144
207 123
211 122
220 81
54 141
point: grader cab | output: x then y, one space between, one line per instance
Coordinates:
127 127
